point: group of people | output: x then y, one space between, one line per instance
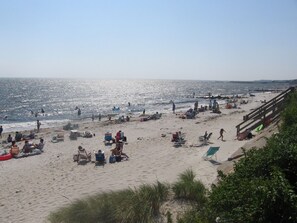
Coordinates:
27 148
117 153
19 137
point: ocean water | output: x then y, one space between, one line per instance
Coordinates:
20 97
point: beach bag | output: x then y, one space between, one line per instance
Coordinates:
118 158
112 159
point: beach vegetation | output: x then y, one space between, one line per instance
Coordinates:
263 186
129 205
189 189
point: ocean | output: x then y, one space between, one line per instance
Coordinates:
23 99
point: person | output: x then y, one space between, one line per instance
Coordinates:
129 104
118 136
42 110
38 125
143 112
1 130
173 107
31 135
118 150
109 117
14 149
18 136
196 106
221 134
127 118
79 112
93 117
101 154
40 145
9 138
99 117
84 153
27 147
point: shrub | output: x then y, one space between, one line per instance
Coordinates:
263 186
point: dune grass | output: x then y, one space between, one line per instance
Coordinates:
188 188
132 205
138 205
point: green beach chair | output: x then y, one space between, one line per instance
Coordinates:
211 152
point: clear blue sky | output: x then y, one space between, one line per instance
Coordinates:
158 39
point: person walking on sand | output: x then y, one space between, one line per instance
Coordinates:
221 134
38 125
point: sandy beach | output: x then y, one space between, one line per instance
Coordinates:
34 186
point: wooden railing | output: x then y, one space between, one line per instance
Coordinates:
265 114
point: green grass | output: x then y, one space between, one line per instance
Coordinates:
126 206
188 188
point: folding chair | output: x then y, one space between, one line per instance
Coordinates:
211 152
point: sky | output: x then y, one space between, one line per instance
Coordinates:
149 39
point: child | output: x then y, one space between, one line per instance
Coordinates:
221 134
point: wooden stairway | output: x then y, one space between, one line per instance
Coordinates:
265 114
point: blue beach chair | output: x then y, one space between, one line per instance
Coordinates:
211 152
100 159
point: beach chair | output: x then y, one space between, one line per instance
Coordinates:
83 155
100 159
211 152
60 136
74 134
205 139
108 138
178 138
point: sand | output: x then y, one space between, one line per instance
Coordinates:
32 187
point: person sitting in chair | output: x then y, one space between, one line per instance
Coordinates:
82 152
101 154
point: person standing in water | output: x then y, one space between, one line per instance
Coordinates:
38 125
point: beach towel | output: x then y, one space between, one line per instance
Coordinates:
259 128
